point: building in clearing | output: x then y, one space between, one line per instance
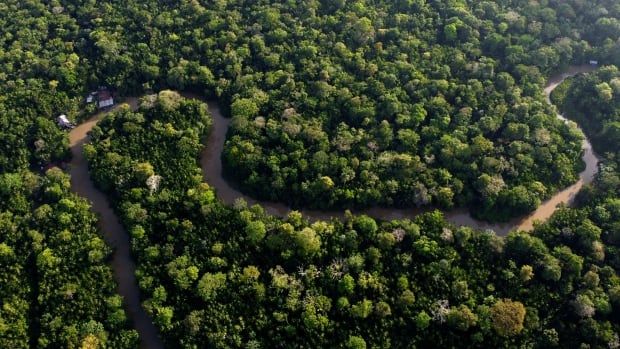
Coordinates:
105 99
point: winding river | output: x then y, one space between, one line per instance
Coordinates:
115 235
113 232
212 171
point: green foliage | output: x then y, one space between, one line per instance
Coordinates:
593 101
334 104
57 289
220 276
255 231
355 342
507 317
210 284
398 104
461 318
422 320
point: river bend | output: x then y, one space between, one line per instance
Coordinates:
212 170
116 236
113 232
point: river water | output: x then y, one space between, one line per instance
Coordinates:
113 232
212 170
116 236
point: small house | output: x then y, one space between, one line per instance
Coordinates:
105 99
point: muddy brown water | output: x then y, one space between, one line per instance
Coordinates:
115 235
212 170
113 232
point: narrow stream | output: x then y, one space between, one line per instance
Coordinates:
212 170
113 232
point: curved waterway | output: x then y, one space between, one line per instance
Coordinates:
212 170
113 232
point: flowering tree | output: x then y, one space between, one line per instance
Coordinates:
153 183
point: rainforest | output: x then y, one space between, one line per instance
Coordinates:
309 174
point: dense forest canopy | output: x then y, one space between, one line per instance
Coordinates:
593 101
57 288
334 104
235 277
344 104
396 103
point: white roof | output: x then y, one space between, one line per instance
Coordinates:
106 102
63 121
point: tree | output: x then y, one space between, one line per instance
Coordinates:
507 317
355 342
422 320
583 306
365 225
244 108
383 309
526 273
346 285
461 318
450 32
363 31
362 309
183 272
210 285
308 242
255 231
